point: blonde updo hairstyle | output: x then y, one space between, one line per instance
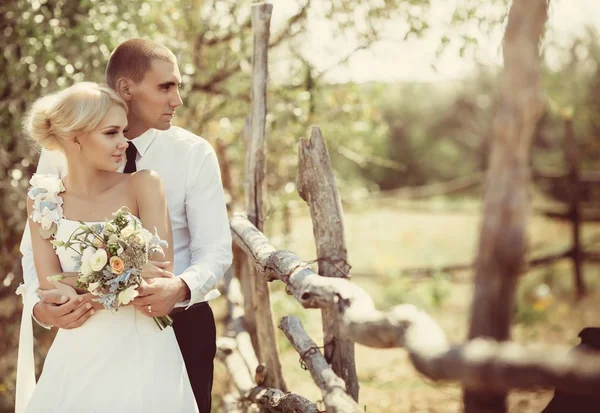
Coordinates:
54 119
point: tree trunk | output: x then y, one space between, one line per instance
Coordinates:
506 203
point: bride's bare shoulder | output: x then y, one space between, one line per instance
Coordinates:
145 176
146 181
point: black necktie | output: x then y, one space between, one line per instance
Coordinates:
131 153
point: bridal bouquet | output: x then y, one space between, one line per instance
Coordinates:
109 259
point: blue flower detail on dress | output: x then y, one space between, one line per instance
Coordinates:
47 204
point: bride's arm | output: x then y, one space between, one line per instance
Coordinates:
45 258
153 211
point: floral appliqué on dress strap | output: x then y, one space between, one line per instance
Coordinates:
47 203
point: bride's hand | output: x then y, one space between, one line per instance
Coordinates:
83 297
156 269
95 304
64 289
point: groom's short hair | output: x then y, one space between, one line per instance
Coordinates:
133 58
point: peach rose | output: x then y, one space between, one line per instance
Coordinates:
117 265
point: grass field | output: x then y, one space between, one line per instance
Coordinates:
385 237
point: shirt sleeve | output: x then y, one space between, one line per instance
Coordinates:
49 163
210 243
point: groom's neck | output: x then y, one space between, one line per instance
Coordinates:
135 131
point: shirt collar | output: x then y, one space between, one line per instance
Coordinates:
143 141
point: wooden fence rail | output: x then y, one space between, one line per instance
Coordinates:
480 364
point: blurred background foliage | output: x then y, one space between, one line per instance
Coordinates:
380 136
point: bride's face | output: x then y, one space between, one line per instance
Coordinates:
104 147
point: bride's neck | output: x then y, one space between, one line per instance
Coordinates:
84 181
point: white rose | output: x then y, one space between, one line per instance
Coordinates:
127 231
87 254
92 287
47 219
99 260
141 238
127 295
85 270
113 239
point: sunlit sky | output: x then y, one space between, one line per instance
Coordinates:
394 59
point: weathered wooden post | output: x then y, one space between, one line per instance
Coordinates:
241 262
502 241
572 160
332 387
255 185
316 185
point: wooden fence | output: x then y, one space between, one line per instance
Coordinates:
488 365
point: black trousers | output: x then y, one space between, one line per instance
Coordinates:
578 403
196 334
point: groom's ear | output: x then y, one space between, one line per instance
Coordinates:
124 89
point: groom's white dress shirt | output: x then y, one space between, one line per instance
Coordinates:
189 170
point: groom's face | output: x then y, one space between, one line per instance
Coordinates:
155 98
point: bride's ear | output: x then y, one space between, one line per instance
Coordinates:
76 142
123 88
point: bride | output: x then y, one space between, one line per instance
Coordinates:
115 362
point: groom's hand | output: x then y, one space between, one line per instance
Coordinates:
158 296
156 269
62 312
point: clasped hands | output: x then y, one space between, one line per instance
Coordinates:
158 295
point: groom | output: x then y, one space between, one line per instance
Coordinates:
146 76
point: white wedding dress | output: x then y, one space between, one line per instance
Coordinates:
115 362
